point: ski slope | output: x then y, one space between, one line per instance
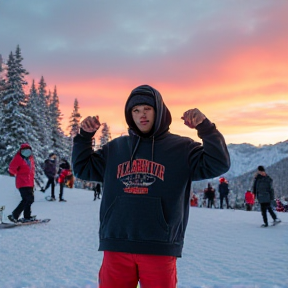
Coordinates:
223 248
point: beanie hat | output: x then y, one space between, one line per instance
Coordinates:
222 179
261 168
141 100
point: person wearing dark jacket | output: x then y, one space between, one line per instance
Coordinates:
223 190
264 192
97 191
23 168
146 180
210 195
50 172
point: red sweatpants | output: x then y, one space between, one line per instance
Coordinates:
124 270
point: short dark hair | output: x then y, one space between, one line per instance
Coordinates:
261 168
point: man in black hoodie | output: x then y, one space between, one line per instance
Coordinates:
146 188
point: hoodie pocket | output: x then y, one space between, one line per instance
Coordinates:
135 218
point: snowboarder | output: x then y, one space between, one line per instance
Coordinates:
264 192
23 168
145 199
50 171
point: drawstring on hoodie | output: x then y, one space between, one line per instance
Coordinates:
153 148
136 146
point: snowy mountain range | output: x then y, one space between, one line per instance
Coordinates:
246 157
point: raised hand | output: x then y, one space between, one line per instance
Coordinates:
193 117
90 124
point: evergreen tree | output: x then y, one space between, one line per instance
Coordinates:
60 141
74 125
19 67
37 146
105 134
45 135
75 119
15 124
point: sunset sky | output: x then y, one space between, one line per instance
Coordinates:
228 58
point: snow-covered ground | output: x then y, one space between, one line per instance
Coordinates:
223 248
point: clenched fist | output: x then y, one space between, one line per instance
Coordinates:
90 124
193 117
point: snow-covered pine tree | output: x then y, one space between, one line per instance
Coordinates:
20 69
14 122
32 109
61 143
105 134
74 124
75 118
45 135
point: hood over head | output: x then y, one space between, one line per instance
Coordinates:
146 94
25 146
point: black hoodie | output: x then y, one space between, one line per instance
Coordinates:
146 180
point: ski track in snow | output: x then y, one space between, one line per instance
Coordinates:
223 248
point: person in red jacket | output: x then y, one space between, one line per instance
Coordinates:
64 174
23 168
249 200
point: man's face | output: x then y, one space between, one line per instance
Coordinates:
143 116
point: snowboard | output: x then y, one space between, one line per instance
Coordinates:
7 225
275 223
12 225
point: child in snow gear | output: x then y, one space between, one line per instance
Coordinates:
281 206
249 200
64 173
50 172
223 192
147 178
264 192
23 168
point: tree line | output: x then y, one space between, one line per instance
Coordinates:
33 117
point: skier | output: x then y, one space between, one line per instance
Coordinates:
264 192
147 178
223 192
23 168
50 172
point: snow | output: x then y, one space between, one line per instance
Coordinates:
223 248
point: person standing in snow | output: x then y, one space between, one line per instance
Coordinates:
97 191
146 180
23 168
64 172
210 195
249 200
223 190
264 192
50 171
